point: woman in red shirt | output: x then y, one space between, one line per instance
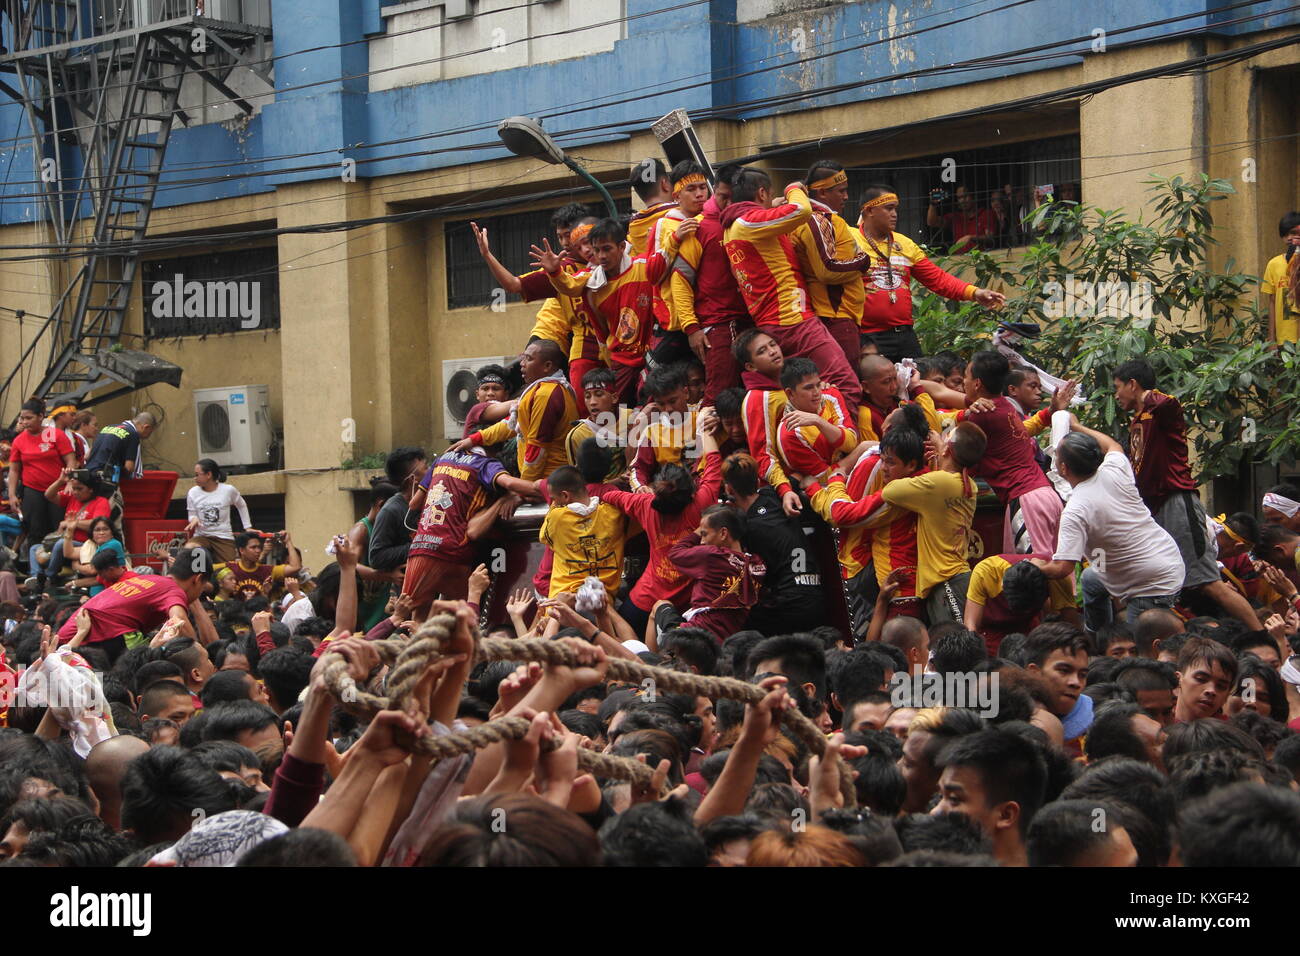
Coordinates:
36 461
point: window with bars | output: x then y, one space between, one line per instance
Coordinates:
469 283
1002 182
234 291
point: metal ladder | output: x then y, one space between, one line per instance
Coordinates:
129 158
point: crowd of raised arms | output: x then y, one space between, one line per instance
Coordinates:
742 466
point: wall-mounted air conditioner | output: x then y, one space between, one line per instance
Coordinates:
234 424
458 387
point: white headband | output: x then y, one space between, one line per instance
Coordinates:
1278 503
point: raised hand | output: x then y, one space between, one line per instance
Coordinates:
1062 396
545 257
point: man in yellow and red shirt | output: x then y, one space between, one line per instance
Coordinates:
895 261
763 259
542 417
674 341
619 291
703 287
653 187
830 257
816 430
763 409
561 319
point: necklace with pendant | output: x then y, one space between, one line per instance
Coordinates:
889 265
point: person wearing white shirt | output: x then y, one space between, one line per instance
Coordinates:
209 503
1106 524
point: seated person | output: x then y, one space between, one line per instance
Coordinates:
815 430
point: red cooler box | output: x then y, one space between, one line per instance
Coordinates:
148 532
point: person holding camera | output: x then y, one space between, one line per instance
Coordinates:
252 577
75 491
969 226
208 504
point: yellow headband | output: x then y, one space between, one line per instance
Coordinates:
579 233
880 200
61 409
830 182
1222 521
688 180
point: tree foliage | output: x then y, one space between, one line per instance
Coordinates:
1204 332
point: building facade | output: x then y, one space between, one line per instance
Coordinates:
346 193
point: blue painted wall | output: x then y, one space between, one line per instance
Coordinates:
695 58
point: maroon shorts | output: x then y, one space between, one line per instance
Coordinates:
812 340
721 371
428 578
627 379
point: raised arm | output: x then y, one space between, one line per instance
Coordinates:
503 276
1107 443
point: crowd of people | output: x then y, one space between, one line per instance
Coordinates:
743 466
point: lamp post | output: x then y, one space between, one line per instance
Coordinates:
525 137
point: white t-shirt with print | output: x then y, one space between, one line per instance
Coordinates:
212 508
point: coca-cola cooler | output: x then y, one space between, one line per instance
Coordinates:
148 532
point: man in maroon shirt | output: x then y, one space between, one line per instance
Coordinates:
718 303
1009 464
971 226
727 580
139 604
1158 450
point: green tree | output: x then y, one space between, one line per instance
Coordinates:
1200 328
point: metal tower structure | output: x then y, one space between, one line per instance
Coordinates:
100 82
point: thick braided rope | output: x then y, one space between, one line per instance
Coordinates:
408 660
437 629
670 681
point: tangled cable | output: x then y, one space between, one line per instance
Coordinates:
408 660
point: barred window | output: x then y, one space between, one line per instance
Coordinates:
1001 179
234 291
469 283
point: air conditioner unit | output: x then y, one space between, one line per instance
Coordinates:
458 387
234 424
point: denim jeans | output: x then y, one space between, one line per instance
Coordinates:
1098 610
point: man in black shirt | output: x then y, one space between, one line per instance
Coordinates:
116 457
391 538
791 598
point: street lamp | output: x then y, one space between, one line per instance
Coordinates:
525 137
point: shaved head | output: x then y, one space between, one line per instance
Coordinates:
875 365
105 767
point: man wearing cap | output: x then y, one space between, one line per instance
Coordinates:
895 261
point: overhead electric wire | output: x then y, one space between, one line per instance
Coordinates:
812 94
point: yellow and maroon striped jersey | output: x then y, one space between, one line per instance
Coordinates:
832 265
639 226
763 258
807 450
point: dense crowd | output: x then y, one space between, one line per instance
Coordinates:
721 452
